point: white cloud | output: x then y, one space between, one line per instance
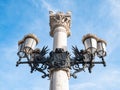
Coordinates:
109 79
115 8
113 40
102 81
8 53
110 10
67 5
44 4
82 86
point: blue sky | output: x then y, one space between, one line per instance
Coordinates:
21 17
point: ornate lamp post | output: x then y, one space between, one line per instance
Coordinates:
59 64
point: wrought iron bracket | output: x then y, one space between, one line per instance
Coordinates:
58 60
78 62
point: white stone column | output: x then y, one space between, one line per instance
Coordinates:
60 30
60 38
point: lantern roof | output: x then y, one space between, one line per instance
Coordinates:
31 36
89 36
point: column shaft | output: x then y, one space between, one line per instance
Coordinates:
60 30
60 38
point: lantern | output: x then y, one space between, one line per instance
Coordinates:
30 41
101 48
21 52
90 43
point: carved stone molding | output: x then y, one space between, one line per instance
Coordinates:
60 19
67 70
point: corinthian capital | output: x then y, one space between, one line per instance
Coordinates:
60 19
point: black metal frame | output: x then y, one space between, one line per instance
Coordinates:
59 59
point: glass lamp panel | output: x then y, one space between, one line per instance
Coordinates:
99 46
90 45
101 49
94 45
30 43
21 52
87 43
21 47
104 46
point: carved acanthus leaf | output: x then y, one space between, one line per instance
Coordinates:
60 19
